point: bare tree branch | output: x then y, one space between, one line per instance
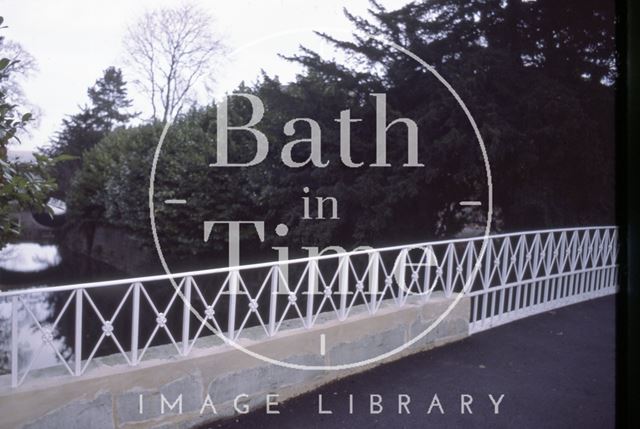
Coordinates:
171 51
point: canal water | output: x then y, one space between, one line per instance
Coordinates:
47 263
35 265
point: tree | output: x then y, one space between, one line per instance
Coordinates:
22 65
545 111
108 108
171 51
111 188
537 77
109 103
22 187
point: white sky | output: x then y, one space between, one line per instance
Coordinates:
73 41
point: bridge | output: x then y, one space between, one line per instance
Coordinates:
158 350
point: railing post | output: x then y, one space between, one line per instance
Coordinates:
343 285
186 315
504 270
449 285
564 280
311 290
593 251
14 341
401 273
520 271
535 259
487 280
569 287
273 299
373 281
426 284
233 291
78 341
548 290
135 321
468 280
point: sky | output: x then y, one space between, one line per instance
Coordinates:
73 41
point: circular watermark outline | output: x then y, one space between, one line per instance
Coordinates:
435 323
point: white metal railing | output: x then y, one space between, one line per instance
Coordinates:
507 276
535 272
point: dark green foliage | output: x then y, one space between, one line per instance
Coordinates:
109 102
108 108
22 186
537 77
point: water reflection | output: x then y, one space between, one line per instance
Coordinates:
29 257
55 312
31 348
27 265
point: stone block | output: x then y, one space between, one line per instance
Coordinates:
81 414
128 405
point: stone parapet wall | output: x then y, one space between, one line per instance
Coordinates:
110 393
